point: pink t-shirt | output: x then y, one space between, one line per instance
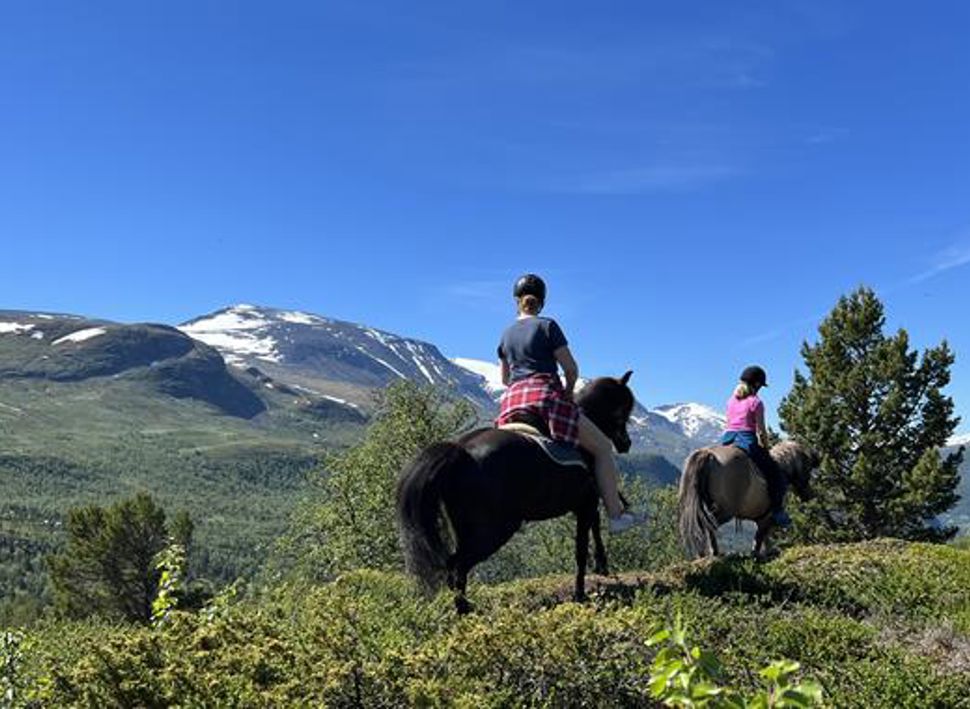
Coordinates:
743 414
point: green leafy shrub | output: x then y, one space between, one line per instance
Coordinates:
170 565
368 638
686 676
11 659
347 521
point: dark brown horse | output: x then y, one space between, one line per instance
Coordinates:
491 481
722 483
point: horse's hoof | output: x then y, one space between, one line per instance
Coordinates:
463 606
580 597
601 569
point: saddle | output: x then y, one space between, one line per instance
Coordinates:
534 427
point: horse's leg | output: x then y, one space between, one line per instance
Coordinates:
712 549
458 568
600 564
462 605
761 536
475 543
583 524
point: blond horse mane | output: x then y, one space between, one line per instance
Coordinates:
791 456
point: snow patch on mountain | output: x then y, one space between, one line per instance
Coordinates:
696 421
415 356
384 362
80 335
235 333
14 328
299 318
491 372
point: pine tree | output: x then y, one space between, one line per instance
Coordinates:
107 567
875 411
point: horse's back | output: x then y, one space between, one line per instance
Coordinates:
735 486
515 474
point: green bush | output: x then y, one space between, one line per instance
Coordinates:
368 638
347 520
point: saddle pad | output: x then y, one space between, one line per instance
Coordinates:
739 451
560 453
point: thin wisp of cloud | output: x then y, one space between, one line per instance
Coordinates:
954 256
780 331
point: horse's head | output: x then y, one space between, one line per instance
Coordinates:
798 462
607 402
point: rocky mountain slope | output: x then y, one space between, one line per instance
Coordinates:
67 348
340 360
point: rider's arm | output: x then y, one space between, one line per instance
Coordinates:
506 372
569 367
762 428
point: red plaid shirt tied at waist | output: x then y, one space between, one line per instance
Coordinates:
544 395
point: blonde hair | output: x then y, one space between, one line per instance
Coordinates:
743 390
529 304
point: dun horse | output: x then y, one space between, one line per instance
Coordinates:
722 483
490 481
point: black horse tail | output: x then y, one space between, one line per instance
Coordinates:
419 511
696 519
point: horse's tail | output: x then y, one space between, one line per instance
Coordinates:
419 507
696 520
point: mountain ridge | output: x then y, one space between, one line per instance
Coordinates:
335 357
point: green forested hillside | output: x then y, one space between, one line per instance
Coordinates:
95 441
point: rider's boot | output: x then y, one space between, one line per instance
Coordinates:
781 518
626 520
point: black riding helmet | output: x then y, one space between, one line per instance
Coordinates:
754 376
530 284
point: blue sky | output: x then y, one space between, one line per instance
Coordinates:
697 181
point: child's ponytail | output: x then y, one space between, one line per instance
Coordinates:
742 390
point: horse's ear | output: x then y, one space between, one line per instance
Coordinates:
626 377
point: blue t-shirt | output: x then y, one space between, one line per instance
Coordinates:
528 346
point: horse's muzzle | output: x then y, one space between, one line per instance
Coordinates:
622 443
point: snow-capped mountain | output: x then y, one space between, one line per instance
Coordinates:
961 439
327 356
280 359
701 424
489 371
160 359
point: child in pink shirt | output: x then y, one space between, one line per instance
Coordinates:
746 429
